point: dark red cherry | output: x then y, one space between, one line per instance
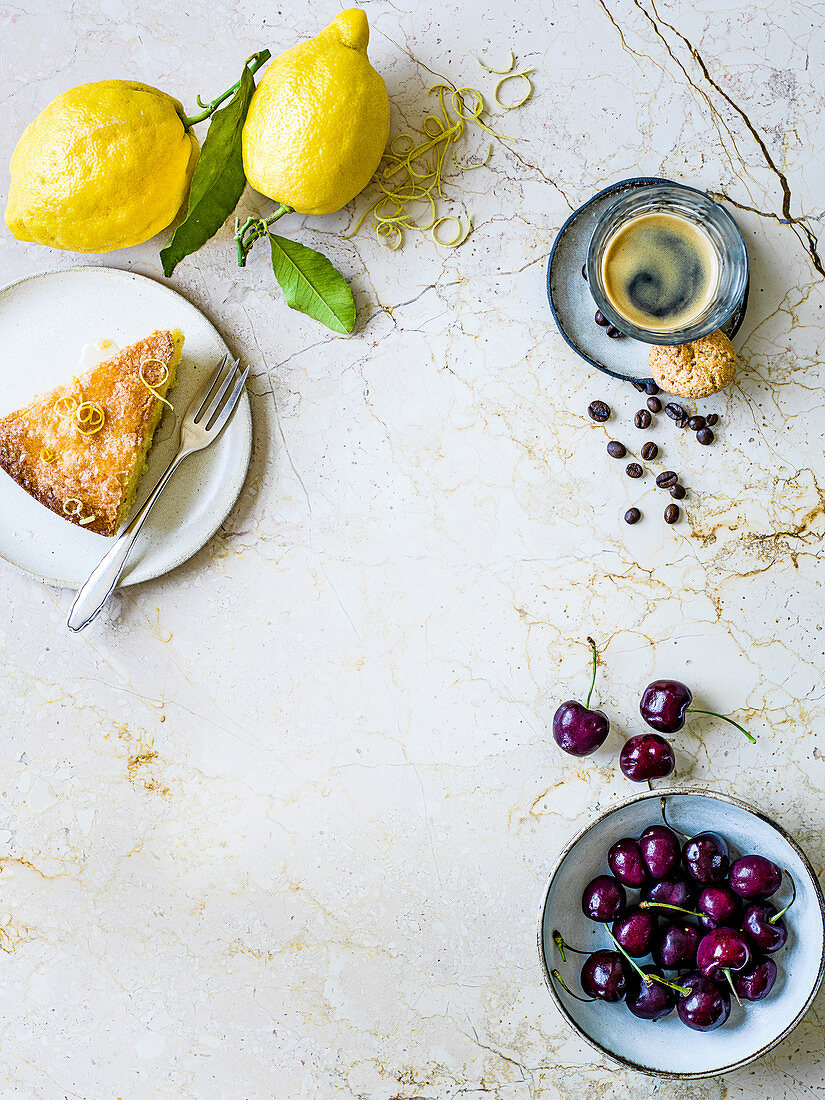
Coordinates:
664 705
706 1006
625 861
603 898
718 905
762 932
754 877
577 729
675 946
634 930
605 975
706 858
646 756
649 1001
757 981
670 891
721 950
661 851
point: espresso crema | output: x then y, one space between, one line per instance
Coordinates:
660 271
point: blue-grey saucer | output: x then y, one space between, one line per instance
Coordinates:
572 304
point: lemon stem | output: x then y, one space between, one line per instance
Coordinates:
253 63
253 229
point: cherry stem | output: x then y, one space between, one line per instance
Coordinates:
253 63
562 943
667 905
567 989
776 916
592 645
646 978
253 229
673 829
724 717
732 986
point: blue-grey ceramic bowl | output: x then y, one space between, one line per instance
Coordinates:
668 1047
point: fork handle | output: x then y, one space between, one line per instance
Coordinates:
103 578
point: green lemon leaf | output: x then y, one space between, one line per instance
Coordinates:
312 285
219 178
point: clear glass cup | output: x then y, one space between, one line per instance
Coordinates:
726 240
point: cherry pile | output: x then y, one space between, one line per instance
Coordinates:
696 914
664 706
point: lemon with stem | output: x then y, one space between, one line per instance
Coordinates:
319 120
104 166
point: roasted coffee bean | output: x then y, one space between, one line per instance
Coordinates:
584 272
650 451
672 513
677 491
666 478
632 515
652 388
616 449
638 386
633 469
600 319
696 422
674 411
705 436
654 404
598 411
711 420
682 423
642 419
613 332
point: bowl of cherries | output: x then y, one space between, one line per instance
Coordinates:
683 934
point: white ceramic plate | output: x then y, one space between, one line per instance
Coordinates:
667 1047
45 323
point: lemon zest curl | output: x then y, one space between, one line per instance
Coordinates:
76 511
72 405
89 417
153 389
490 68
411 178
525 75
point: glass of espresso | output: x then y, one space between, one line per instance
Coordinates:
667 264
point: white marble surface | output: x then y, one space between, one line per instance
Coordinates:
278 827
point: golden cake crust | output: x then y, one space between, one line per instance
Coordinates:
697 369
97 469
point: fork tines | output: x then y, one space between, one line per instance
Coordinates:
212 403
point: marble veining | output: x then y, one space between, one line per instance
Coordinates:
277 825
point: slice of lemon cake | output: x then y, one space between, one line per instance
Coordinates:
81 450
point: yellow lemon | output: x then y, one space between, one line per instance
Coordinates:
104 166
319 120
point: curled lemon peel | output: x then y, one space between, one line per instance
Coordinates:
162 381
490 68
461 235
410 179
89 417
48 455
72 405
74 507
525 75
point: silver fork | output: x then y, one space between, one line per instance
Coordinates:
203 422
